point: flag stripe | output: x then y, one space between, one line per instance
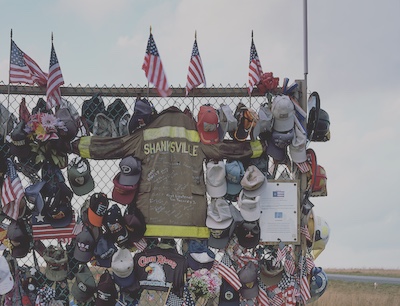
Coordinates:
195 75
12 191
55 80
255 69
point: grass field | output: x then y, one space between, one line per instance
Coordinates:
340 293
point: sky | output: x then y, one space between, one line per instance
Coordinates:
353 63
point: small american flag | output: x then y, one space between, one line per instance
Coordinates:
141 245
12 192
262 297
255 69
304 231
224 267
290 265
154 70
281 253
42 229
195 75
54 82
24 69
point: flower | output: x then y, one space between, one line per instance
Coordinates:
204 283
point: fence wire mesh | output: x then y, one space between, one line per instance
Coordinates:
103 172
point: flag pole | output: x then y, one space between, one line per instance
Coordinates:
8 87
305 42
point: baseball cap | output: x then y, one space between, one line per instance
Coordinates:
264 123
143 113
56 263
60 211
261 163
278 154
283 112
135 224
228 296
84 285
219 215
131 169
70 123
6 278
297 149
283 139
122 266
248 234
84 246
53 176
19 238
98 206
106 291
79 176
33 195
249 207
104 251
207 125
227 122
115 226
253 182
199 255
215 179
248 278
19 145
123 194
234 173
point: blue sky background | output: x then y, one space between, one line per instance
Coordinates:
354 65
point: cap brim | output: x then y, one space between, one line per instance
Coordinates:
124 199
57 223
284 125
21 251
83 257
56 276
94 219
250 293
216 192
275 152
195 265
124 282
128 180
79 295
209 138
85 189
271 280
233 189
6 284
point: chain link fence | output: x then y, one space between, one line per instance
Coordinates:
103 172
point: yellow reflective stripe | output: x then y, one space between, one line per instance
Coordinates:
257 148
83 146
176 231
171 131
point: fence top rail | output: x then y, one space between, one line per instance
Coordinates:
133 91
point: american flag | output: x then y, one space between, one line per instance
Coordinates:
290 265
24 69
262 297
255 70
304 284
54 82
224 267
154 70
304 231
195 75
42 229
281 253
141 245
12 192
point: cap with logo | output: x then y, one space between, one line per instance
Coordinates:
283 112
126 181
297 148
97 208
253 182
228 296
6 278
19 238
19 145
234 174
84 246
56 263
248 278
219 220
207 125
84 285
248 234
215 179
115 226
107 293
122 267
70 123
143 114
79 176
104 250
249 207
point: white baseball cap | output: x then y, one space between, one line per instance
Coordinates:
250 208
6 278
253 181
283 112
219 215
216 179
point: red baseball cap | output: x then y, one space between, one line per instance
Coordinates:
207 125
123 194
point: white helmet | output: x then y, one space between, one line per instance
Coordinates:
319 232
